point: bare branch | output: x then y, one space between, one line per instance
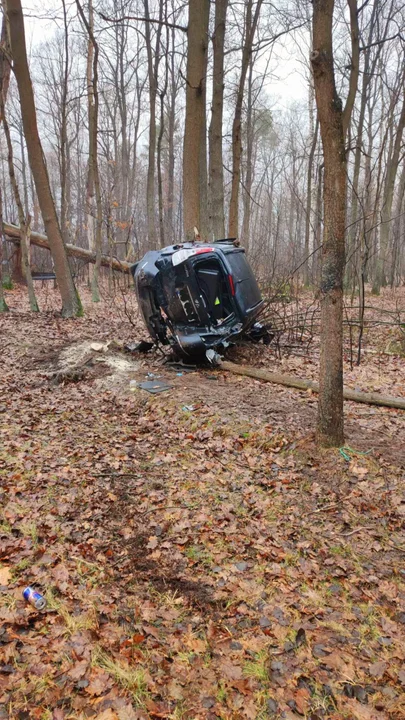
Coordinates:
166 23
354 66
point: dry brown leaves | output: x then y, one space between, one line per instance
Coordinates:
198 564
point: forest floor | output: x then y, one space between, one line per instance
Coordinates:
200 556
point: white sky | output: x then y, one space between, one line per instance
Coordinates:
285 82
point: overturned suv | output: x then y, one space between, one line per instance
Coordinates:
198 297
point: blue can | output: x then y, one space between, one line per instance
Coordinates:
34 598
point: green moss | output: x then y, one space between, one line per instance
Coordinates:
80 311
7 282
95 295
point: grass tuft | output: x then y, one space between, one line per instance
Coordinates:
74 623
258 668
131 679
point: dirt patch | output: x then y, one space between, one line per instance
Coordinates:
87 359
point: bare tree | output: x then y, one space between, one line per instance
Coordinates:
194 151
388 195
333 121
93 176
5 71
3 305
216 164
153 69
310 173
71 305
162 96
251 20
24 222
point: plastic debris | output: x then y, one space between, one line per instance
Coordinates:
213 357
180 366
154 386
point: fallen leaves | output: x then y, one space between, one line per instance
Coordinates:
363 712
153 542
230 671
99 682
5 575
108 715
377 669
302 698
211 571
79 670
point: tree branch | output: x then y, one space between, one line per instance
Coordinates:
166 23
355 65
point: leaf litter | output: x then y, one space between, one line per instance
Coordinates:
205 564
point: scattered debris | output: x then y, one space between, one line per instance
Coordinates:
154 386
34 598
140 347
98 347
176 366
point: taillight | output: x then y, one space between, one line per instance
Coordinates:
204 250
230 278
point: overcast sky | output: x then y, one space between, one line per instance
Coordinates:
285 82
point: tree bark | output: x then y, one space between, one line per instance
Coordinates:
194 152
245 234
153 67
93 178
397 225
354 65
330 113
90 209
4 61
23 220
310 170
369 66
170 130
71 305
301 384
250 29
216 168
63 133
5 71
389 186
162 96
13 233
3 305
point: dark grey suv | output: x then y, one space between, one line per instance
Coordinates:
198 297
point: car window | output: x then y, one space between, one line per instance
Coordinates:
244 280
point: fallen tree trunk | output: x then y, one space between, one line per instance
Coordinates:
12 233
290 381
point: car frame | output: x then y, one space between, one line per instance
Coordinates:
198 297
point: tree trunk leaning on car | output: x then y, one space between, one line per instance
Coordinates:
333 121
71 305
